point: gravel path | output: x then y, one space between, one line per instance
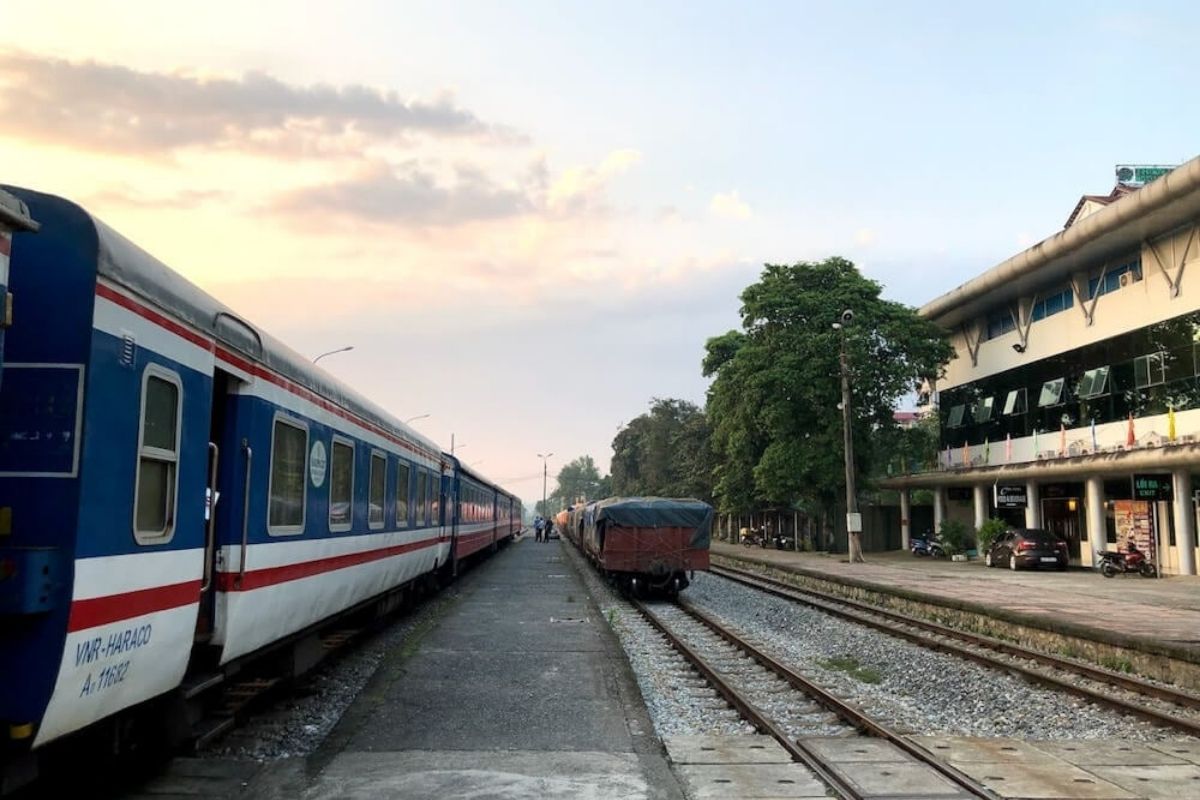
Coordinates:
680 702
906 686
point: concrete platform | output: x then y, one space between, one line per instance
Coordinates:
1160 615
520 692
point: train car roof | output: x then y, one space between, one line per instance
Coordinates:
475 475
651 512
127 264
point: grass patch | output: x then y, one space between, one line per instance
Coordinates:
852 667
1117 664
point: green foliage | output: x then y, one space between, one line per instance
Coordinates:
579 480
988 532
954 535
773 404
852 667
664 452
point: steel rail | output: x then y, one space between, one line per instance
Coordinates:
861 615
750 712
848 713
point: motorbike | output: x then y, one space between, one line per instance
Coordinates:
754 537
1116 562
927 546
783 542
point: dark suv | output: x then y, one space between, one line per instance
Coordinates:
1027 547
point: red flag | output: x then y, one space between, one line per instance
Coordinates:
1130 439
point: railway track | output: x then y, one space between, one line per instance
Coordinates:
786 705
1162 705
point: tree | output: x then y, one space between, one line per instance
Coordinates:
664 452
774 401
577 480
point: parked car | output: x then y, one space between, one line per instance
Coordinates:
1027 547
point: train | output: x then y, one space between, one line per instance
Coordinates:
645 545
180 492
14 219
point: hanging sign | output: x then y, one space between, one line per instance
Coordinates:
1152 487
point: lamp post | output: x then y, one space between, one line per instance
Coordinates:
414 419
544 459
853 518
331 352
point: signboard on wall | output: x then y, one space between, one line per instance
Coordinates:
1012 496
1152 487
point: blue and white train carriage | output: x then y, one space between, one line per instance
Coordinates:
177 489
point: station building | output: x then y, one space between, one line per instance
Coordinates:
1073 403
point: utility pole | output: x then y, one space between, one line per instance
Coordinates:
853 518
544 458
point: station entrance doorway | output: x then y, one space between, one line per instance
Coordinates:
1062 514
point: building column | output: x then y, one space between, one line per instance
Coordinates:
905 519
1033 511
983 507
1185 522
939 508
1093 506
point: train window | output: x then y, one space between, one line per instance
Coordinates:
155 490
420 497
341 486
378 482
402 490
289 472
431 505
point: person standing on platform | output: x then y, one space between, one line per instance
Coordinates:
537 529
549 530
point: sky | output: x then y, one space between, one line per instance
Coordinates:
527 218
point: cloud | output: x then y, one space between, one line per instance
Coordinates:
132 198
730 206
115 109
408 195
581 189
865 237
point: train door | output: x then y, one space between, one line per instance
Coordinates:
217 493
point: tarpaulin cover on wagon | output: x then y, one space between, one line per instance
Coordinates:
658 512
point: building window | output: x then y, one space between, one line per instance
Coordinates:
1015 403
1052 304
956 417
1000 323
402 495
155 490
1094 383
375 495
420 497
1051 393
983 410
289 451
341 486
1149 370
1114 279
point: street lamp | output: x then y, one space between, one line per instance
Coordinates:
414 419
853 518
331 352
544 458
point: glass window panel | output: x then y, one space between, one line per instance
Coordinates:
155 494
378 482
956 417
983 411
431 505
402 495
1148 370
341 484
1051 392
1015 402
158 424
288 468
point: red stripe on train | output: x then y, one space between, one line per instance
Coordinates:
270 576
96 611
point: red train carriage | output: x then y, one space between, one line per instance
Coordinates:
645 544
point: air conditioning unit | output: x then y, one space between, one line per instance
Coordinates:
1126 279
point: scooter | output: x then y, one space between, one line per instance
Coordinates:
927 546
1114 562
754 537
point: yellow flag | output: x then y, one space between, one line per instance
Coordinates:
1171 423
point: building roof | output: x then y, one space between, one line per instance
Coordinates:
1119 191
1111 232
